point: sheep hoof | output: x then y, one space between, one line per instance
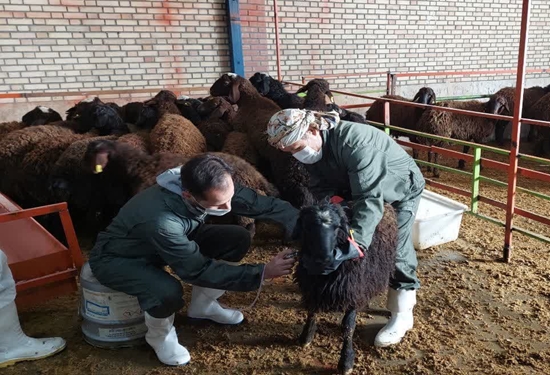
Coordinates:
345 370
305 340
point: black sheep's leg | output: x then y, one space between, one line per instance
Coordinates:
435 169
309 329
429 168
500 126
413 139
347 355
461 162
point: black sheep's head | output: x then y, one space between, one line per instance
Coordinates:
425 96
214 107
131 111
166 95
228 85
262 82
497 105
320 229
106 120
98 154
116 107
341 111
41 116
317 84
188 109
80 109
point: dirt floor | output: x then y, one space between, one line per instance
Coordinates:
475 315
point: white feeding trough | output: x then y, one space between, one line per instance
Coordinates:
437 220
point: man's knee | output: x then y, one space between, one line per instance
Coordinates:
241 242
169 300
171 293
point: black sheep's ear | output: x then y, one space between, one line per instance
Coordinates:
297 232
506 106
432 97
265 85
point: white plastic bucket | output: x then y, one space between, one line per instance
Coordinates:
437 220
111 319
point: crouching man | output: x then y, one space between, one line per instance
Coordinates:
164 225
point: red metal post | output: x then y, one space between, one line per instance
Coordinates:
277 41
516 129
387 116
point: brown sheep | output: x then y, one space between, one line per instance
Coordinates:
401 115
462 127
30 178
237 143
15 145
176 134
530 96
315 100
252 118
8 127
140 140
153 109
217 115
541 111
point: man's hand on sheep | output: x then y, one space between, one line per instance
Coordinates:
279 266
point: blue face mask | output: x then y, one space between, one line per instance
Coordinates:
199 210
308 155
216 211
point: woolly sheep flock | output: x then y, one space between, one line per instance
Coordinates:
102 154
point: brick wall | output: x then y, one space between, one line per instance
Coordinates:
350 36
79 45
57 45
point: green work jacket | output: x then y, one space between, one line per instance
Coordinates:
156 223
364 164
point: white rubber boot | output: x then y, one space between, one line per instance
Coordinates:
400 303
161 335
204 305
15 346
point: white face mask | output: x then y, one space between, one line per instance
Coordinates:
216 211
308 155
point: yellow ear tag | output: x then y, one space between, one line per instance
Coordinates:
98 168
351 234
332 99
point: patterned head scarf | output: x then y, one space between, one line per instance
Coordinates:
289 125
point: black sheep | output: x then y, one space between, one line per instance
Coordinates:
252 117
40 116
131 112
189 109
95 114
346 115
316 91
273 89
321 229
153 109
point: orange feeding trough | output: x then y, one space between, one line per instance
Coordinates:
42 267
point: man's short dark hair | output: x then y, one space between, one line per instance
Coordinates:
203 173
